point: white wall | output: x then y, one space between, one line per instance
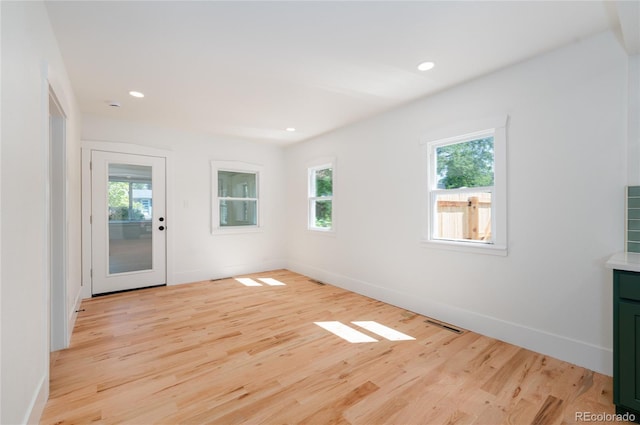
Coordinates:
196 253
30 62
566 177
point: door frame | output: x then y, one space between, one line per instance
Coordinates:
126 148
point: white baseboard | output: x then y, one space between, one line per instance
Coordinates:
227 271
36 407
598 359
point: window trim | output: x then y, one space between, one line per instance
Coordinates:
239 167
312 167
458 134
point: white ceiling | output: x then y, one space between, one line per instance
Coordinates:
252 69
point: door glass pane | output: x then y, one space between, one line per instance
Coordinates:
130 218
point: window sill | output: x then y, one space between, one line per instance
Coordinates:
471 247
236 230
324 232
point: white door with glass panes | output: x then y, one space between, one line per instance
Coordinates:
128 222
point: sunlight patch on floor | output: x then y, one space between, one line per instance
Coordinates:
384 331
246 281
345 332
271 281
352 335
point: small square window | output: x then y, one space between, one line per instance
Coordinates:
237 195
466 191
464 185
236 202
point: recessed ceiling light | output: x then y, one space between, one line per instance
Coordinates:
136 94
425 66
290 129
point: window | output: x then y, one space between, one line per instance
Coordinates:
321 197
466 191
236 203
237 193
464 185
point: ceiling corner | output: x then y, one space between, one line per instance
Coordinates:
628 18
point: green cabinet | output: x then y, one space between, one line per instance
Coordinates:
626 342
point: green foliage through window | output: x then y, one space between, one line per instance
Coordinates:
119 194
321 194
465 164
123 213
323 214
121 206
324 182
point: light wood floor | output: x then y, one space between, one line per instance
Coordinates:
222 353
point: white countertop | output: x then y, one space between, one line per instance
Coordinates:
629 261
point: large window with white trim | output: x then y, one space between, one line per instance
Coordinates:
466 191
320 199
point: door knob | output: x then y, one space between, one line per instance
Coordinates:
161 228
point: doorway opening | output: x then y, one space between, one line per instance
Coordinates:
58 333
